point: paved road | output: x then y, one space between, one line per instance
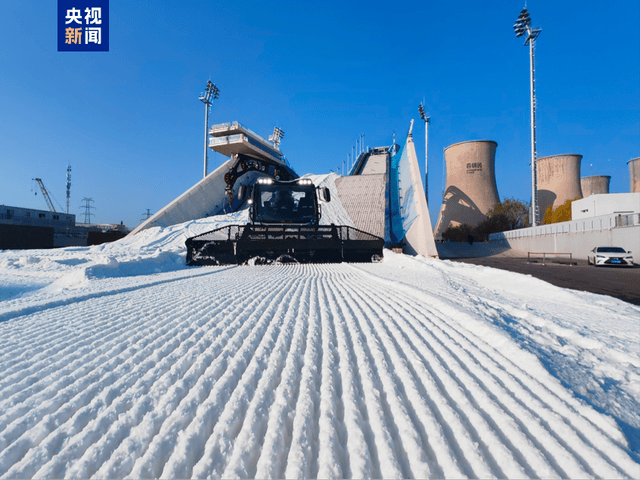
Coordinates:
622 283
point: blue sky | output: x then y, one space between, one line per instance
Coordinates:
130 123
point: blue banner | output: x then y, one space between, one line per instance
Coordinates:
402 207
396 230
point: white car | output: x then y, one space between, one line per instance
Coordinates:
610 256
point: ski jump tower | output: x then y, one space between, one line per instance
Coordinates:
384 195
251 156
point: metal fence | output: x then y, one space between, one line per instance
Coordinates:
595 224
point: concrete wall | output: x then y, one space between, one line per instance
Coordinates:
595 185
634 175
610 204
471 189
558 181
577 237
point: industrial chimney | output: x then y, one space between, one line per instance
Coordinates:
634 174
558 181
595 185
471 189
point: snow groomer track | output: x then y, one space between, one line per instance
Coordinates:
286 371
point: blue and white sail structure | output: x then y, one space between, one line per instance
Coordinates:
408 219
383 195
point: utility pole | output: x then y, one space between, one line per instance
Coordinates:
211 91
522 27
427 121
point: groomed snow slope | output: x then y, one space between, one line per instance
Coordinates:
118 361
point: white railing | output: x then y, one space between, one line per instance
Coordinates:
224 140
605 222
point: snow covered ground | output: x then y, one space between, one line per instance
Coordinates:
119 361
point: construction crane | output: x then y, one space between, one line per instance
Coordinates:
45 194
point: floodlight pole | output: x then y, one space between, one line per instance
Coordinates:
210 91
522 27
276 137
206 147
535 215
427 120
426 159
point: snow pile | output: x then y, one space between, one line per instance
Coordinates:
332 212
118 361
155 250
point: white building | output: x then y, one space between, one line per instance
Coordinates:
605 204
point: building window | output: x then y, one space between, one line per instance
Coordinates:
41 215
56 217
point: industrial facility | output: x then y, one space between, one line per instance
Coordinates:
22 228
600 218
471 189
634 175
558 180
595 185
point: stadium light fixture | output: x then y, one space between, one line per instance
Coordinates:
276 137
522 27
211 93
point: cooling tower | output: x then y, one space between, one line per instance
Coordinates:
595 185
558 181
634 174
471 189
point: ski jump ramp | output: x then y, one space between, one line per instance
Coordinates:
251 157
383 194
